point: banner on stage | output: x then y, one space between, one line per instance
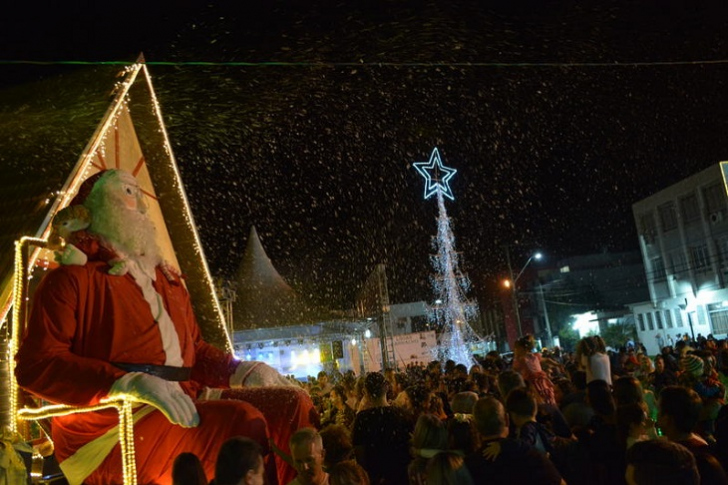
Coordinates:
408 349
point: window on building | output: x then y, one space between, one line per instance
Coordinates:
648 228
715 199
677 262
689 208
718 318
668 318
658 268
650 321
722 246
679 318
658 320
699 259
641 322
668 217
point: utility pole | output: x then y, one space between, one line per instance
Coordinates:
549 336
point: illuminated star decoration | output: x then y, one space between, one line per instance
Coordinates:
437 176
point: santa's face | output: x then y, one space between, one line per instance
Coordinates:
119 215
131 195
126 189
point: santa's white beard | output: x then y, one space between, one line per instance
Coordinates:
129 232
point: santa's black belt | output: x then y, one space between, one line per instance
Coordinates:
166 372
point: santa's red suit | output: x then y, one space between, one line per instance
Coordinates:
84 320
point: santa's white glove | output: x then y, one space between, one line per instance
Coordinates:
164 395
71 256
257 374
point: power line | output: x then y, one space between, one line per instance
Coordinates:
333 64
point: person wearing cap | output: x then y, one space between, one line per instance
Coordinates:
699 376
95 333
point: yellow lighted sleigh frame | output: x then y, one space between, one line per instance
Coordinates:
22 412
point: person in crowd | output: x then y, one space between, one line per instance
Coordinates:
548 414
670 355
631 364
632 424
591 354
390 375
337 444
400 382
628 390
521 407
464 402
481 383
438 407
563 387
507 381
722 357
462 435
697 374
501 460
429 438
448 468
661 377
460 371
720 448
414 400
322 378
93 334
187 470
578 416
356 396
576 393
307 453
348 472
617 360
239 462
381 435
605 451
645 368
475 369
678 416
660 462
493 362
341 413
528 364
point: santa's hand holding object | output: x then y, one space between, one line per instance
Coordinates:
93 333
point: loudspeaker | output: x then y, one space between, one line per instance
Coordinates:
337 349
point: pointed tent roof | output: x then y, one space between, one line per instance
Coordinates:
131 135
263 299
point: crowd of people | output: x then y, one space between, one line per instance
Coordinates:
594 416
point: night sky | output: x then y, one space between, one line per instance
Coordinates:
319 156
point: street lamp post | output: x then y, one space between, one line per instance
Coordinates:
513 284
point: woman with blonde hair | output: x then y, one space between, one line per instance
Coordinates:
429 438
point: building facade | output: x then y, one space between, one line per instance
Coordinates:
683 236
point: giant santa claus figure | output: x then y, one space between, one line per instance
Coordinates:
94 334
